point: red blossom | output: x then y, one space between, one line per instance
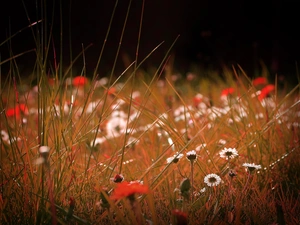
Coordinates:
259 81
227 91
80 81
181 217
17 111
127 189
111 90
266 91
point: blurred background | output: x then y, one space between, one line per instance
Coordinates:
212 33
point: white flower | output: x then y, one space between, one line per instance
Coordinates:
131 142
115 127
228 153
44 149
202 190
202 146
174 158
191 155
4 135
222 142
212 180
251 166
98 141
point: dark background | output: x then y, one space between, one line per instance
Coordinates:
212 33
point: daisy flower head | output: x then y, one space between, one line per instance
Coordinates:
251 166
228 153
175 158
191 155
212 180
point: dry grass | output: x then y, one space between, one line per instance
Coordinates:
131 125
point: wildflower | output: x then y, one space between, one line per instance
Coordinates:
222 142
44 152
4 135
97 141
118 178
17 111
266 91
175 158
128 189
259 81
115 127
232 173
102 82
212 180
199 147
111 90
198 98
136 98
202 190
228 153
227 91
181 217
191 155
80 81
251 166
131 142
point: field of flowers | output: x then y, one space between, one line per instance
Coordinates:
169 150
145 147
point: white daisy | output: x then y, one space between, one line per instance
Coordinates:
191 155
174 158
228 153
251 166
212 180
44 149
202 146
115 127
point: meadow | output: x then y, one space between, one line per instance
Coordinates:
146 147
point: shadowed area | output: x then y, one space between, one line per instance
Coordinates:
211 34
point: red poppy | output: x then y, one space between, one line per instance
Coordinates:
266 91
181 217
80 81
127 189
111 90
259 81
227 91
16 112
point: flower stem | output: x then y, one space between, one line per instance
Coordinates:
192 181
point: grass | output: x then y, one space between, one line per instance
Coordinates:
71 145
